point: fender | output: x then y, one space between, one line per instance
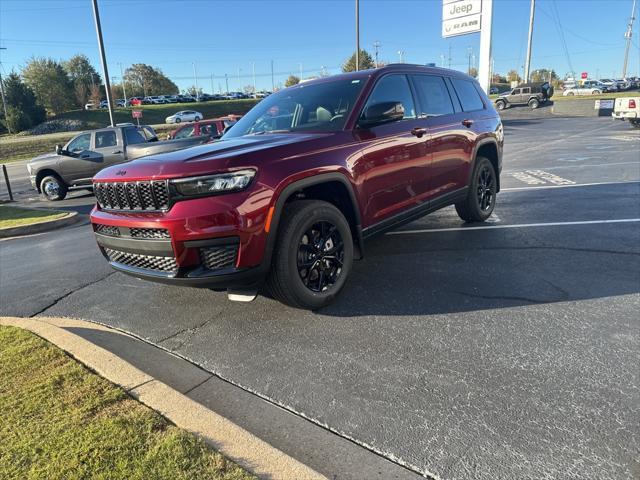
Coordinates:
299 185
479 144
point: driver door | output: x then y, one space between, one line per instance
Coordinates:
77 163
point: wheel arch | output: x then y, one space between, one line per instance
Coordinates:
488 148
334 188
45 172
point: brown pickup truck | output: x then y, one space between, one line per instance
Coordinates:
73 165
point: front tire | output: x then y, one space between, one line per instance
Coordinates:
533 104
500 105
481 198
313 255
177 120
197 119
53 188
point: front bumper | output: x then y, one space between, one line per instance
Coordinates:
202 242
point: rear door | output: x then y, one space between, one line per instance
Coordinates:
394 157
446 135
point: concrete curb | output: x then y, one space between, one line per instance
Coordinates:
40 227
234 442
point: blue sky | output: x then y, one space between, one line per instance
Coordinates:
232 36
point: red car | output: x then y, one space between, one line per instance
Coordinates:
293 189
213 128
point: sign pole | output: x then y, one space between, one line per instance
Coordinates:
484 66
527 65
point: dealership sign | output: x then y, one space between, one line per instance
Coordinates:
460 17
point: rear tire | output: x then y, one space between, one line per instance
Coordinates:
533 104
313 255
197 119
481 197
178 120
635 123
53 188
500 105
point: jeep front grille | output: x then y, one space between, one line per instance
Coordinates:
109 230
149 233
151 196
217 258
148 262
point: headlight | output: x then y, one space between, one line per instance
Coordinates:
212 184
29 168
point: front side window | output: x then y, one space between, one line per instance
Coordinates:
185 132
393 88
322 107
133 136
433 94
80 143
468 95
105 139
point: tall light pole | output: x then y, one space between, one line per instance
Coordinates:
401 55
273 83
527 65
253 72
357 35
226 80
212 90
300 67
239 86
124 90
195 81
4 101
627 35
376 47
103 59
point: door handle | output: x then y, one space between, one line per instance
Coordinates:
86 155
467 123
116 151
418 132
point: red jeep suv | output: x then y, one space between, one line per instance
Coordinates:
293 189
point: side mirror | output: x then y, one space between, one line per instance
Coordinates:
168 136
383 112
58 149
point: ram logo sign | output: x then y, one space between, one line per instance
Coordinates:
460 17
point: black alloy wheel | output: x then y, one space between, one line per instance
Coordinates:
320 256
486 188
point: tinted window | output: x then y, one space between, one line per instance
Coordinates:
321 106
469 96
80 143
526 90
433 94
133 136
185 132
393 88
106 139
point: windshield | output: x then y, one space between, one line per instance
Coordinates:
320 107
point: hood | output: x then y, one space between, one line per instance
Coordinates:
45 157
246 151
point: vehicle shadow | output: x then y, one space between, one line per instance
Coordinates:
449 272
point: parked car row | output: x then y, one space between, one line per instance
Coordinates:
603 85
180 98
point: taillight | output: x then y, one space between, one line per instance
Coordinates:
632 103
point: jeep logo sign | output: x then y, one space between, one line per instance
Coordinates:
460 17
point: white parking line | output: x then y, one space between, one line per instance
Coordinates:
522 225
540 187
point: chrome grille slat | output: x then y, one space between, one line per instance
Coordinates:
148 196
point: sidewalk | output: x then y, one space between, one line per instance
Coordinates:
259 436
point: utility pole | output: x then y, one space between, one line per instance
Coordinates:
401 55
273 83
212 89
226 79
124 90
357 35
469 52
195 81
527 65
300 68
449 54
376 46
442 60
103 59
239 85
484 58
627 35
253 72
4 101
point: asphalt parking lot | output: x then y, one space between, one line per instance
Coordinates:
496 351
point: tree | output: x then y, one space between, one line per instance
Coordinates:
291 81
473 71
95 96
542 75
116 91
248 89
146 80
50 83
193 91
22 110
513 76
83 76
497 78
366 62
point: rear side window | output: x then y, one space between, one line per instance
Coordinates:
393 88
185 132
133 136
468 95
433 95
106 139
